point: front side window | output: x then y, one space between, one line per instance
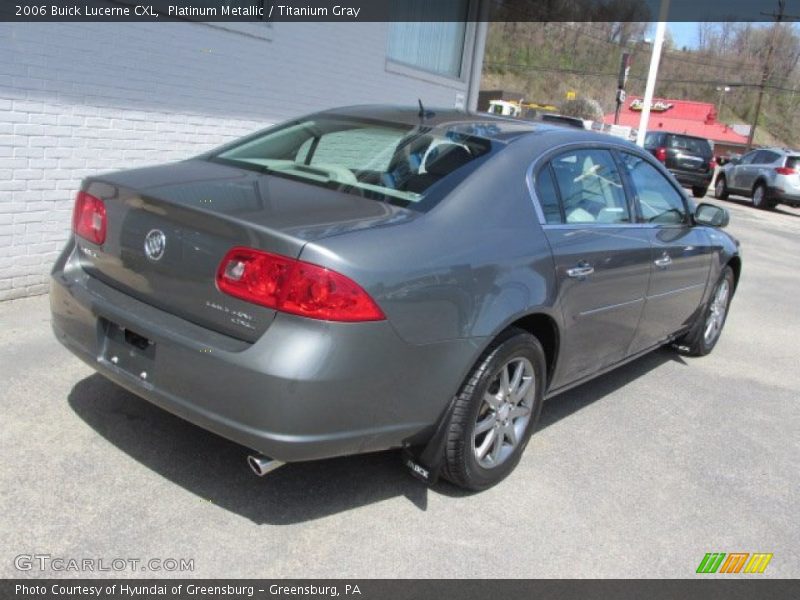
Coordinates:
434 40
590 187
660 202
367 157
748 158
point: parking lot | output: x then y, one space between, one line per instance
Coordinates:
636 474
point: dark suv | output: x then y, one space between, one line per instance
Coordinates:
689 158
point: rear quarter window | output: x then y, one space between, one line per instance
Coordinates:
793 162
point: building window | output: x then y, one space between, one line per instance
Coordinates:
436 47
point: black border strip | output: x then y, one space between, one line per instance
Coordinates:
390 10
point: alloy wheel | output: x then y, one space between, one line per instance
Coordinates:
716 314
758 196
504 413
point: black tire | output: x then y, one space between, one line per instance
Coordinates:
760 198
699 192
721 188
461 465
695 342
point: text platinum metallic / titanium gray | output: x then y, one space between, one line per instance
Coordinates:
365 278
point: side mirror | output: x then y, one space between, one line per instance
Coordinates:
710 215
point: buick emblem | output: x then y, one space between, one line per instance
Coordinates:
155 243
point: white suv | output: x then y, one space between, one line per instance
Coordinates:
769 176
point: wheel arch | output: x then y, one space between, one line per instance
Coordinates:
735 263
545 329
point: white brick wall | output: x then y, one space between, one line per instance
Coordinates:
82 98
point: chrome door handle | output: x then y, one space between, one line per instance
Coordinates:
664 261
581 271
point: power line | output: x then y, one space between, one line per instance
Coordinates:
593 73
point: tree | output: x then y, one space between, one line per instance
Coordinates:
584 108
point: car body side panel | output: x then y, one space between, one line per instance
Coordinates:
675 291
602 310
460 270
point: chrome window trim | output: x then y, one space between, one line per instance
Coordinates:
530 181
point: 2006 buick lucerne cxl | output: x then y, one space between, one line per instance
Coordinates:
371 278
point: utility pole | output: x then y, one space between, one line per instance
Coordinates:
624 70
652 73
779 18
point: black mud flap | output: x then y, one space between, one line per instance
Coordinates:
425 461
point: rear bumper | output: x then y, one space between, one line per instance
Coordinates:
305 390
780 195
693 179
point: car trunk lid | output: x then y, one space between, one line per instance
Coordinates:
200 210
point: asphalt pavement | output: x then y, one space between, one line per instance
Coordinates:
639 473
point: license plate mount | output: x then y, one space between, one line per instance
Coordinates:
128 351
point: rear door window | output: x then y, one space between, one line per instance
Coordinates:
590 187
766 157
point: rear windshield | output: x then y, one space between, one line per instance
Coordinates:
691 145
397 162
792 162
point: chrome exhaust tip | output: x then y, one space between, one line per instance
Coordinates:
261 465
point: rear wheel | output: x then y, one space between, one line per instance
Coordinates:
721 188
760 199
495 412
703 336
699 192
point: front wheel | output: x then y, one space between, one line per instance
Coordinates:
703 336
495 412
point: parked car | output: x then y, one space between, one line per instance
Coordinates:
368 278
770 176
689 158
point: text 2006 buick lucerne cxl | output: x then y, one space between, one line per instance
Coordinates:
371 278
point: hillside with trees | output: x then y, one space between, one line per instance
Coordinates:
545 60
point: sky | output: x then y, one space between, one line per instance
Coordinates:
683 34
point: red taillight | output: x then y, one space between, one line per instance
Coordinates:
785 171
661 154
712 164
294 286
89 218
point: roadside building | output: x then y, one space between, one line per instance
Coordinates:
685 116
78 98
